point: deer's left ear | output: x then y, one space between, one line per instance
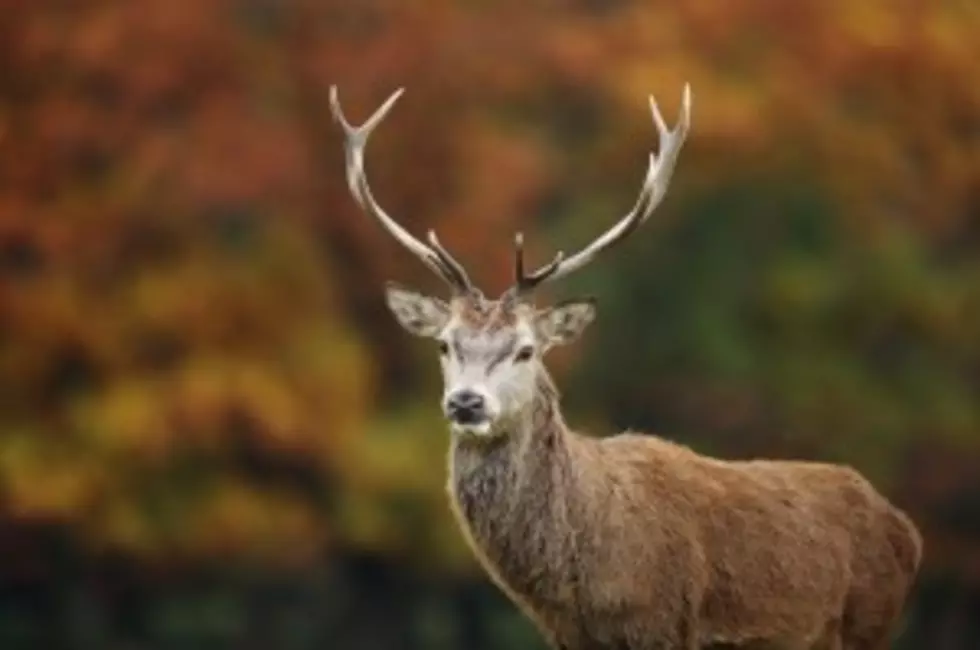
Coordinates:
564 322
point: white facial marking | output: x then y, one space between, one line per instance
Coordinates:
485 361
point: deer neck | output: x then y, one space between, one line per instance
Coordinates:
511 494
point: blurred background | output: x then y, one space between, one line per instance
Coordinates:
212 434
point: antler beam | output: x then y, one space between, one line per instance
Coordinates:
655 184
434 255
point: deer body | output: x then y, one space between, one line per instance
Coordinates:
634 542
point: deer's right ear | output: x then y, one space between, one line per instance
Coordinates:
421 315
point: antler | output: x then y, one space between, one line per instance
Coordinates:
655 183
434 255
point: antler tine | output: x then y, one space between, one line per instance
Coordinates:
524 283
450 263
655 182
435 257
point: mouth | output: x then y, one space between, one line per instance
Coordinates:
469 413
475 421
479 429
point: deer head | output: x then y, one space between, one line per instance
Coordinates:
491 349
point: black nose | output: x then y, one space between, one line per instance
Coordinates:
466 407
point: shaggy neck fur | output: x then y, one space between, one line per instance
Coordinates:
515 496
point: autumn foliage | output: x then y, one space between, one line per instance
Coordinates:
195 358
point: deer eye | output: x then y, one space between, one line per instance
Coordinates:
443 348
525 353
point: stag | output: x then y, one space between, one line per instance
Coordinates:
633 542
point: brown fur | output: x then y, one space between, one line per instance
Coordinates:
637 543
